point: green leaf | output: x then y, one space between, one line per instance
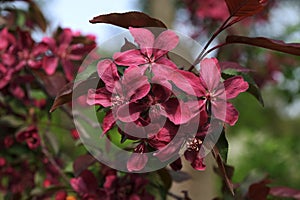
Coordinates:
165 177
222 146
253 88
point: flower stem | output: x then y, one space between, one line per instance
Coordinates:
216 33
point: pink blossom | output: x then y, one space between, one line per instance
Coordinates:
121 94
152 52
30 136
217 92
65 51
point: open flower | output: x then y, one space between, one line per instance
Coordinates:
66 51
217 92
152 52
121 94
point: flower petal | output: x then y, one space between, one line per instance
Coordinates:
129 58
195 159
136 85
234 86
180 112
108 122
144 38
232 114
129 112
50 64
166 62
165 42
99 97
210 73
108 72
69 69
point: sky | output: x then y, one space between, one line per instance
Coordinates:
76 14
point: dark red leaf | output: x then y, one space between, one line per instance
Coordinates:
222 169
277 45
285 192
129 19
245 8
127 46
259 191
233 65
53 83
37 16
66 93
82 163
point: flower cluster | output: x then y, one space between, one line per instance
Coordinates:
25 65
114 186
155 103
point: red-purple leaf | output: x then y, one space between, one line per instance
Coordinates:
277 45
285 192
36 15
245 8
128 46
259 191
129 19
52 83
66 93
82 163
233 65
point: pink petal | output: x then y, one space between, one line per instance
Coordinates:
110 181
232 114
69 69
189 83
144 38
129 112
163 74
108 122
218 109
179 112
50 64
66 36
234 86
108 72
137 162
210 73
170 150
50 42
167 62
195 159
99 97
165 42
130 57
136 85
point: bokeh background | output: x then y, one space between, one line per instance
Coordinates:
265 141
